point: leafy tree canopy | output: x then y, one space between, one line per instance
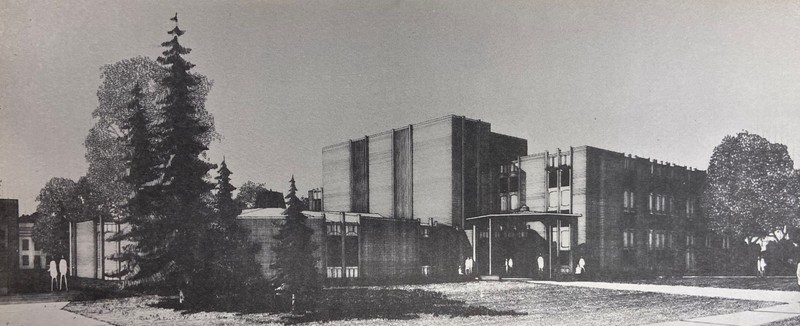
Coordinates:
106 145
751 189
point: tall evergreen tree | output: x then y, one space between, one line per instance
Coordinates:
295 264
169 233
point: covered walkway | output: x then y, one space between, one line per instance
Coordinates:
514 244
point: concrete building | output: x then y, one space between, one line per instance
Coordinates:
362 245
440 169
9 243
614 212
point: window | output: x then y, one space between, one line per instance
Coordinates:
334 229
37 261
627 200
651 203
26 260
352 230
552 179
689 208
503 204
625 203
3 238
626 163
689 240
565 177
25 245
660 240
708 241
652 168
726 244
627 239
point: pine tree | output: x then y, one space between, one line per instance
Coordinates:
169 233
295 264
231 278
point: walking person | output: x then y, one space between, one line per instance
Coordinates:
62 267
53 274
798 274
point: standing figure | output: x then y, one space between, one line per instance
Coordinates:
540 262
798 275
582 266
510 265
62 266
53 274
761 266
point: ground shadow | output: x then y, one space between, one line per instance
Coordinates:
369 303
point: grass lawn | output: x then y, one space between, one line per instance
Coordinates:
473 303
775 284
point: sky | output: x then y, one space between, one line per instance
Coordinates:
659 79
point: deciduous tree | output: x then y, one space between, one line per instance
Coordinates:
751 189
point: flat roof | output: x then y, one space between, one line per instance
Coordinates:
524 214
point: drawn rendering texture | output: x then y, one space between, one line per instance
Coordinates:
399 162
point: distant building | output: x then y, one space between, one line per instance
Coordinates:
270 199
315 200
30 256
9 243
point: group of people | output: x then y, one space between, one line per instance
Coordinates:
58 275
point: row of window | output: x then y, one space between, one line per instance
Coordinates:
336 229
659 239
656 203
553 177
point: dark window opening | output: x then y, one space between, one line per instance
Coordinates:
25 244
37 261
334 256
351 251
565 177
25 260
552 179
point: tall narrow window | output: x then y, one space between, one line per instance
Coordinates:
565 178
625 202
651 203
552 179
25 244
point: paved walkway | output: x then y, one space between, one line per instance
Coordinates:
42 313
790 308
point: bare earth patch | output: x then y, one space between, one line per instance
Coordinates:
473 303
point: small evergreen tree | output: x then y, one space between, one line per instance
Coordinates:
231 278
295 265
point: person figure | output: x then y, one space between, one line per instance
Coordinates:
540 263
761 266
53 270
468 266
798 274
506 264
510 264
582 266
62 267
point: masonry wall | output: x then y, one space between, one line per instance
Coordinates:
336 177
9 243
263 231
433 171
381 175
389 248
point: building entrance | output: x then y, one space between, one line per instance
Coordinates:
525 244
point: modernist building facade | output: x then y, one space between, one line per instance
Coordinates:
616 212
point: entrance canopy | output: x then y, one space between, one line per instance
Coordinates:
529 244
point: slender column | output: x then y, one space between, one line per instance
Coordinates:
549 235
344 238
102 249
490 246
474 243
